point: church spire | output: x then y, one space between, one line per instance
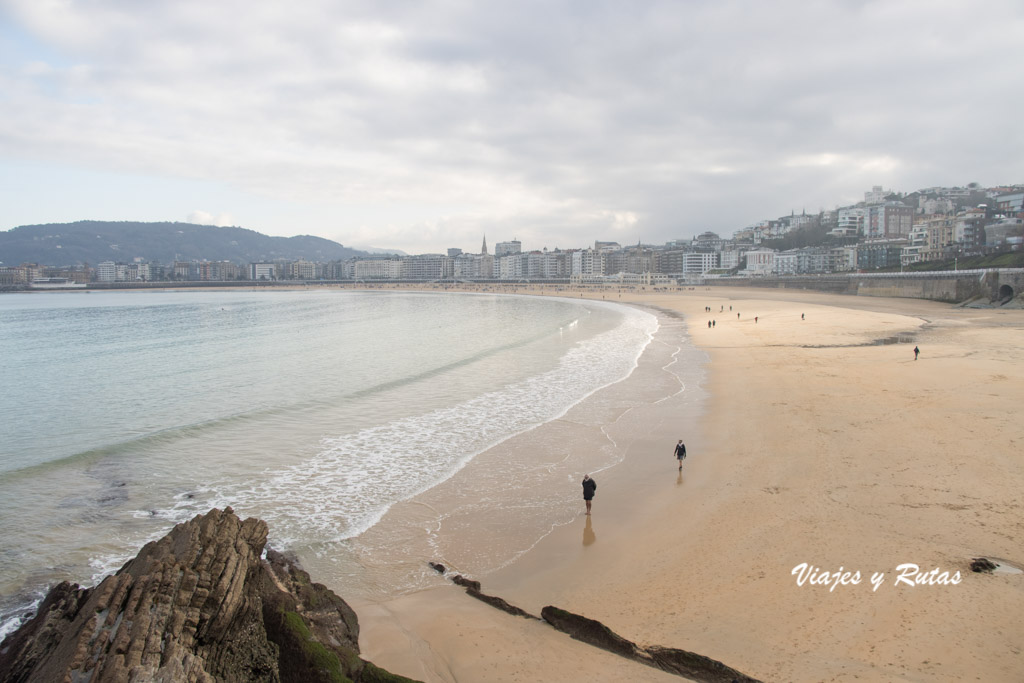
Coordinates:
483 249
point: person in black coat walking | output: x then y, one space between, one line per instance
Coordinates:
589 487
680 453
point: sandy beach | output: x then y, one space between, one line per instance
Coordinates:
810 441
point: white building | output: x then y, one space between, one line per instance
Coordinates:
302 270
137 272
936 205
588 262
917 245
844 259
786 263
795 222
849 223
377 269
473 266
875 196
635 279
1004 231
699 262
506 248
555 264
426 267
814 260
262 271
509 267
760 262
730 258
106 272
470 266
708 240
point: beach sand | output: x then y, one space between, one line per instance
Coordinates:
812 442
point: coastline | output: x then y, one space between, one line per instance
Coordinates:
818 444
424 634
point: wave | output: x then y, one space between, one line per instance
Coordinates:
169 435
356 478
347 481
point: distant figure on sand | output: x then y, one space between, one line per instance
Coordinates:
680 453
589 487
916 351
801 316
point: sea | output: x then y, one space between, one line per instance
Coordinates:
124 413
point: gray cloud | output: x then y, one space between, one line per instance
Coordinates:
421 125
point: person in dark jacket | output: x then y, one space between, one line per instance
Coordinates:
589 486
680 453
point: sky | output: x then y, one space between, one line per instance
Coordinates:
419 126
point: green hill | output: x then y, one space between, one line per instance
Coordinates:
70 244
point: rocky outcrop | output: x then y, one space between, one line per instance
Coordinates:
591 632
198 605
983 565
680 662
689 664
472 587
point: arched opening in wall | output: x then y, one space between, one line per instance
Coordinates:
1005 293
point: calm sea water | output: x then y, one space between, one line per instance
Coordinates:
126 412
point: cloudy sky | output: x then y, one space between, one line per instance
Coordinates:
424 125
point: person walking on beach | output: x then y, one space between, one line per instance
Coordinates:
589 487
916 351
680 453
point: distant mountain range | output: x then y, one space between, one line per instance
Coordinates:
92 242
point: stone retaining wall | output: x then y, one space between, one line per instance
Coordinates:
951 287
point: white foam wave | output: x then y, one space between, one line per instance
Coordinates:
355 478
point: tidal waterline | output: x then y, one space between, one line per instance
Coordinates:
314 410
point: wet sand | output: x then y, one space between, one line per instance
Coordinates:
816 443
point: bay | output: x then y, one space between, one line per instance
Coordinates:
126 412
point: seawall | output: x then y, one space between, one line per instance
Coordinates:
994 285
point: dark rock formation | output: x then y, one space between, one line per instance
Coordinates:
437 567
501 604
591 632
983 564
468 584
473 588
197 605
680 662
694 666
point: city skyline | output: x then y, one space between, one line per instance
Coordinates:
423 128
